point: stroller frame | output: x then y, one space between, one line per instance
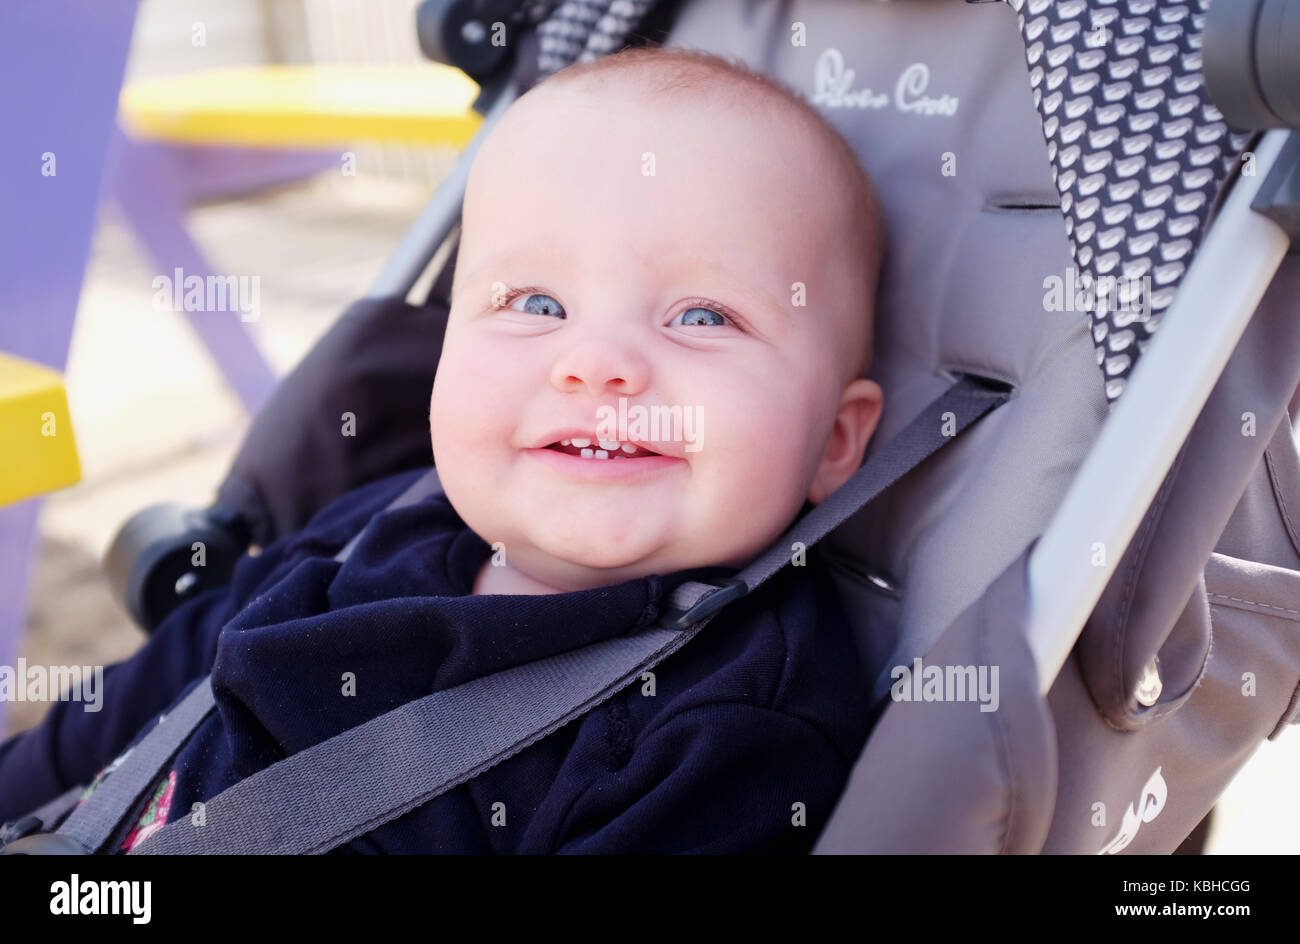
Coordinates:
1148 426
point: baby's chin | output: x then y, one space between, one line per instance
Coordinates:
620 556
602 541
595 562
595 559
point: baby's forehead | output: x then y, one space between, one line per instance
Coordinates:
588 135
666 179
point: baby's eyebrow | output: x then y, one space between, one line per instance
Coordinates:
467 276
752 296
760 295
497 267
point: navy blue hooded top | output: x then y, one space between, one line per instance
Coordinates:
743 745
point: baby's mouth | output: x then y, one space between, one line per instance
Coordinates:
607 449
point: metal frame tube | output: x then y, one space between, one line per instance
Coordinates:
1138 442
437 220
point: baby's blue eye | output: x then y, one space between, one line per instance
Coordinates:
696 316
538 304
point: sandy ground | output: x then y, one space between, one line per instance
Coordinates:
154 423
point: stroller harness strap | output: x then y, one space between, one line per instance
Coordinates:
332 792
960 405
328 794
91 824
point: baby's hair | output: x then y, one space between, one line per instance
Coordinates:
670 70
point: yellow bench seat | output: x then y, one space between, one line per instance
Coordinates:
38 452
305 106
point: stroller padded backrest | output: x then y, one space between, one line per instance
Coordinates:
935 97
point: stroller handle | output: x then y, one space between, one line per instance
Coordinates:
1249 62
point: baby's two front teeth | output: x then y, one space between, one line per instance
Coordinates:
606 447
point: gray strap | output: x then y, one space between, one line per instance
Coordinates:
960 405
95 821
426 484
967 400
356 781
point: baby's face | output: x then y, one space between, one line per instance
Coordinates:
628 271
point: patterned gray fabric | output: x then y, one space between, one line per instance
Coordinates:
582 30
1138 153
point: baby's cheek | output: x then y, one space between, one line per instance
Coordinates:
461 434
453 415
761 469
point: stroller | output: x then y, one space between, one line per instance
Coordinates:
1122 545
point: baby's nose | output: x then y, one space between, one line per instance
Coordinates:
600 366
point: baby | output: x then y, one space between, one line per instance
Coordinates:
654 360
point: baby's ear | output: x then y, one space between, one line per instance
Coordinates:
855 421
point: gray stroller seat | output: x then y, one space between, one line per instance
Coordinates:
1191 655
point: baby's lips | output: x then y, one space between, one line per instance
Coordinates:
673 450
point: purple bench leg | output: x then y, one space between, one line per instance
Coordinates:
61 67
150 185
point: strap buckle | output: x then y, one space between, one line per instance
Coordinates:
732 588
23 838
